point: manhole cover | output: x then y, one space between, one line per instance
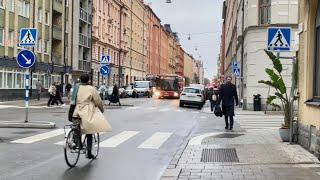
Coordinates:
219 155
25 132
228 135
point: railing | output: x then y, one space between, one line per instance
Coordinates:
85 16
84 40
84 65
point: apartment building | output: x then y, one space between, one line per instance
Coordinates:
110 23
246 39
53 61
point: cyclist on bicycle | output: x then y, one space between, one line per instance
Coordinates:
89 109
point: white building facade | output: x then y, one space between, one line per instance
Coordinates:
258 16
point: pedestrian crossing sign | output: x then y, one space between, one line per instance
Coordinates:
105 59
28 37
236 71
279 39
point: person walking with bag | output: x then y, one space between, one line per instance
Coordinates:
213 97
89 109
52 92
229 98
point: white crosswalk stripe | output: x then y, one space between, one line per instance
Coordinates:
155 141
263 122
39 137
118 139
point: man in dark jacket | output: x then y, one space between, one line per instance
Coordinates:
228 96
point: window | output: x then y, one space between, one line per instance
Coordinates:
317 58
67 3
10 80
40 15
1 36
10 5
46 46
264 11
39 46
47 16
24 8
1 4
11 38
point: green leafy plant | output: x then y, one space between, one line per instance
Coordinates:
276 82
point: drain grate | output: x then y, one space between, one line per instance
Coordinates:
228 135
219 155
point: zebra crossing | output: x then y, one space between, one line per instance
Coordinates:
164 109
154 141
259 122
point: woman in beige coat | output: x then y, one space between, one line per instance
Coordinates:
89 109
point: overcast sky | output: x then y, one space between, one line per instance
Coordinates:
194 17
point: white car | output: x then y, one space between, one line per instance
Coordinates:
192 96
129 90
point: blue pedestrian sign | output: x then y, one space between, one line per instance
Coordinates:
105 59
236 72
104 70
28 37
279 39
234 64
26 59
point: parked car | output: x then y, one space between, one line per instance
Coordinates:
192 96
122 93
129 90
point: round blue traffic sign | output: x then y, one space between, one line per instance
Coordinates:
104 70
26 59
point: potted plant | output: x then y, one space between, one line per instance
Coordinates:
277 82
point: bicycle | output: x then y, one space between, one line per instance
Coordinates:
74 146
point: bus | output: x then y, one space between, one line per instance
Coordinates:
167 86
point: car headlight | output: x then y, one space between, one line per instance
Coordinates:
157 93
176 94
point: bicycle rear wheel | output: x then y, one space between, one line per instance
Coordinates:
72 147
95 145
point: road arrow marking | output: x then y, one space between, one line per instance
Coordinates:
28 61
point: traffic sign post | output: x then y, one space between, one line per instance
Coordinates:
279 39
26 59
104 70
105 59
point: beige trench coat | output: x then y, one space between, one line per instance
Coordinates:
90 109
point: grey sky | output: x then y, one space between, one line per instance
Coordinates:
194 17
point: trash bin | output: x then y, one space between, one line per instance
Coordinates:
257 102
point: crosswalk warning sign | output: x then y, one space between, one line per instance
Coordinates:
279 39
28 37
105 59
236 72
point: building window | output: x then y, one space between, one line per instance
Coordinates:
317 58
46 47
1 36
24 8
10 5
11 38
2 4
47 16
264 11
40 15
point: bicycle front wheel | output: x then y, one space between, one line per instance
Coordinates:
95 145
72 147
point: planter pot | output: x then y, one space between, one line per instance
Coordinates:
284 134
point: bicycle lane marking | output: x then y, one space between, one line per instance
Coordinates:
118 139
39 137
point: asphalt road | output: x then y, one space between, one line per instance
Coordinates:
128 158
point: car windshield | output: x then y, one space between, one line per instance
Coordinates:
192 90
141 84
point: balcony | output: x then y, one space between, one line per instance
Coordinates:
84 40
57 32
57 6
85 16
84 65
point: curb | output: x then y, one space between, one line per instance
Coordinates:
34 124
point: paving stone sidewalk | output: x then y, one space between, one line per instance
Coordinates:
260 154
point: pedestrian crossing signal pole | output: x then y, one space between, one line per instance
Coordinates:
27 94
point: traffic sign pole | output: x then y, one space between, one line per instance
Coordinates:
27 94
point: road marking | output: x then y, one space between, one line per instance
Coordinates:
164 110
151 108
198 139
195 112
155 141
116 140
61 143
39 137
180 110
132 108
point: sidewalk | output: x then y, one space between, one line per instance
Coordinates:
32 102
213 153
